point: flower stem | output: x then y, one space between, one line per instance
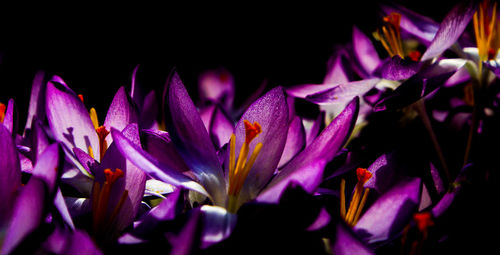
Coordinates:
420 107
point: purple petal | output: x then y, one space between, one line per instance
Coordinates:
271 112
442 206
336 73
295 141
343 93
450 29
221 127
185 242
217 87
321 221
438 182
304 90
11 117
61 207
86 160
461 76
121 112
29 211
218 224
159 145
396 68
390 213
415 24
134 180
25 163
364 51
206 113
37 100
307 167
49 166
149 112
420 85
192 139
81 244
69 120
10 173
494 67
166 210
40 140
346 242
151 166
313 131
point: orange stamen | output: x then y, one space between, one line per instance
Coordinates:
103 145
391 35
81 97
358 199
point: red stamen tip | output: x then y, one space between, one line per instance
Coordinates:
81 97
102 132
2 111
415 55
363 175
251 130
423 220
394 19
111 176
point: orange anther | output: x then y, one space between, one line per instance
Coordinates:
251 130
415 55
81 97
2 111
363 175
111 176
102 132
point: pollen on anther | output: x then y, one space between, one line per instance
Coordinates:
363 175
111 176
251 130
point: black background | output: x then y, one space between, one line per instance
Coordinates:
94 48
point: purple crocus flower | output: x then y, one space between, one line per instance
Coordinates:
114 185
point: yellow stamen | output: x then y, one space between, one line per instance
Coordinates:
486 31
238 172
93 117
91 152
356 206
342 199
391 35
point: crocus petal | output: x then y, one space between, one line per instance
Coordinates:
364 51
396 68
11 117
450 29
217 87
218 224
37 100
31 205
121 112
206 113
40 140
390 213
420 85
149 112
28 213
81 244
307 167
192 140
159 145
295 141
188 239
312 130
158 188
166 210
494 67
25 163
271 112
10 173
134 179
336 73
77 206
461 76
321 221
346 242
85 159
343 93
304 90
151 166
415 24
69 120
221 127
61 207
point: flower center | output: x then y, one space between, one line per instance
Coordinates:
2 112
100 202
486 29
358 199
238 170
101 131
390 37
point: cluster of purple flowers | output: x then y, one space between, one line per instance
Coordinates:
389 163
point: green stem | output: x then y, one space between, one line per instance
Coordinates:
420 107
